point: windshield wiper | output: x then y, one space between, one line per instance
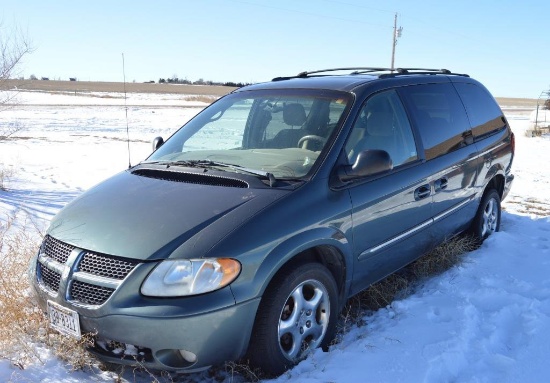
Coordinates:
209 163
267 175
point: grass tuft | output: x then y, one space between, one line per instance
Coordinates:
404 282
201 98
6 173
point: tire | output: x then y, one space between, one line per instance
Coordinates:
487 219
298 313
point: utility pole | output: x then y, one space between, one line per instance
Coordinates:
396 35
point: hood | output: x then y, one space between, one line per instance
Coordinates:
148 216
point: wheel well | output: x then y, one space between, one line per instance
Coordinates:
328 256
497 183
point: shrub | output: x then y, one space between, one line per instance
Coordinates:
5 174
20 319
23 325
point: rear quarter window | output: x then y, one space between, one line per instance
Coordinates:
439 116
483 111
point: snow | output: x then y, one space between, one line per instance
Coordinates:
486 320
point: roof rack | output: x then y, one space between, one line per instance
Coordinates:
384 72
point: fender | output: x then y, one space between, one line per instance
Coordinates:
253 286
495 174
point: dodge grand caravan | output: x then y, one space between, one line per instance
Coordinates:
243 235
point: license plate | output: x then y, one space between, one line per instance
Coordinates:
63 319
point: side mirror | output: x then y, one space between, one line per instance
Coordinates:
157 143
368 162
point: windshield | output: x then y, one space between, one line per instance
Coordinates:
279 132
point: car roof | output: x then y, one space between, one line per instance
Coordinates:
349 79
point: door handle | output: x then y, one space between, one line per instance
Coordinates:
422 192
441 184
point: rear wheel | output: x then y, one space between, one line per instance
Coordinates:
298 313
487 219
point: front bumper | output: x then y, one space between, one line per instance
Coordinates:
178 343
175 334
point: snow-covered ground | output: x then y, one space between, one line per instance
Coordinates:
487 320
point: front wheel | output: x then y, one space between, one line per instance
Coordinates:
298 313
487 219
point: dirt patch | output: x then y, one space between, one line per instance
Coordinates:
506 102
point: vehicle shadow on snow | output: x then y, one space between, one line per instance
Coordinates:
35 203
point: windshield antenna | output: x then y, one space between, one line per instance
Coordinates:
126 110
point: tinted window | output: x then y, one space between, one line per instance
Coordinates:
484 113
383 124
439 115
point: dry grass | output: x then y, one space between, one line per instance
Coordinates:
403 283
23 326
6 172
20 319
243 370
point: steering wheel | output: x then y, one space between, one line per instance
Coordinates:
303 142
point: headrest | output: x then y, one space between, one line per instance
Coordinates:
380 123
294 114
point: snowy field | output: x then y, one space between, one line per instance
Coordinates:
487 320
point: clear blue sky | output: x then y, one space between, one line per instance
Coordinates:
505 44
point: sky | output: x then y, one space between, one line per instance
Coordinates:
504 44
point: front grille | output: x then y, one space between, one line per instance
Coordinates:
56 250
103 266
102 273
50 278
89 294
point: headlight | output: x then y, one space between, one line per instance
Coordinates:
175 278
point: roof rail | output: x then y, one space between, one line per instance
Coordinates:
384 72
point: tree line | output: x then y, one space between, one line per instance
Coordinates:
200 81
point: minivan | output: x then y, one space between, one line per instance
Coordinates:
243 234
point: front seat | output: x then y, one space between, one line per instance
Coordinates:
293 115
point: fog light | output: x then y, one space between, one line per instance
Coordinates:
188 356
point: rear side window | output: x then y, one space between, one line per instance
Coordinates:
483 111
439 115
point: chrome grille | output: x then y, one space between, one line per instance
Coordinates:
98 274
50 278
105 266
89 294
56 249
